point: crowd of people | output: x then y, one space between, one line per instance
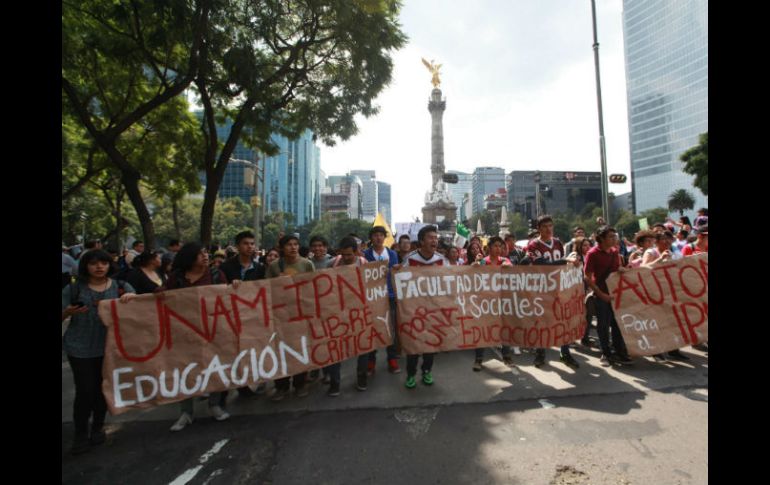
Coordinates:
98 274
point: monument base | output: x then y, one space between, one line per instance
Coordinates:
439 212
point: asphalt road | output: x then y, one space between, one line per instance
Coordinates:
638 424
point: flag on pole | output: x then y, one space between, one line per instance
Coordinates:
462 235
380 221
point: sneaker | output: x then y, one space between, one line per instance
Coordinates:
427 378
334 389
98 436
508 360
585 342
302 391
606 361
516 351
312 376
569 361
370 367
278 395
361 382
393 367
676 354
219 413
183 421
539 359
477 366
410 382
80 444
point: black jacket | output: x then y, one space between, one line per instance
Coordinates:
232 269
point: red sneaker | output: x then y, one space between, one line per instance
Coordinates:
370 367
393 366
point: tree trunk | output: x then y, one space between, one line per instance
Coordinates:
175 216
207 211
130 181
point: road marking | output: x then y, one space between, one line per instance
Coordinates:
546 403
190 474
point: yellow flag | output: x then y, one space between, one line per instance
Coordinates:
380 221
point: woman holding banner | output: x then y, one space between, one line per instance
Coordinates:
495 258
84 341
191 268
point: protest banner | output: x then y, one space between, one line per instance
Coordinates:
663 308
411 229
443 308
163 348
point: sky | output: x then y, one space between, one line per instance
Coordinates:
520 87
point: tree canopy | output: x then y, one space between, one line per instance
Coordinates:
696 161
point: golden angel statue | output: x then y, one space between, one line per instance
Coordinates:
433 68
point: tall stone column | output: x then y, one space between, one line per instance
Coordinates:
436 106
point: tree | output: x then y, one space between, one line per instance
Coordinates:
489 223
232 215
517 225
287 66
123 63
696 161
680 200
658 214
336 226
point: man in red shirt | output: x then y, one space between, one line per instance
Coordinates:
699 246
601 261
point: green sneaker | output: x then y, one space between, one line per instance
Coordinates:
410 383
427 378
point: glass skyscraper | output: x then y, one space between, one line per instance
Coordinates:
292 178
666 50
383 200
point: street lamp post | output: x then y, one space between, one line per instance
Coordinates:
537 194
602 151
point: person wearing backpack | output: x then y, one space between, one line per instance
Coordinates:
191 268
84 342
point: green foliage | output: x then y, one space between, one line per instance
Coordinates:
696 161
336 226
231 216
287 66
680 200
490 222
518 225
658 214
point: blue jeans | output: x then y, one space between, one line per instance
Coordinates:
333 371
606 323
411 363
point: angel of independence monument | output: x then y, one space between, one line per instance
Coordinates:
438 203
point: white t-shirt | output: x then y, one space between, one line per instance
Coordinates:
381 257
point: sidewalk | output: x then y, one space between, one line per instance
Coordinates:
455 382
